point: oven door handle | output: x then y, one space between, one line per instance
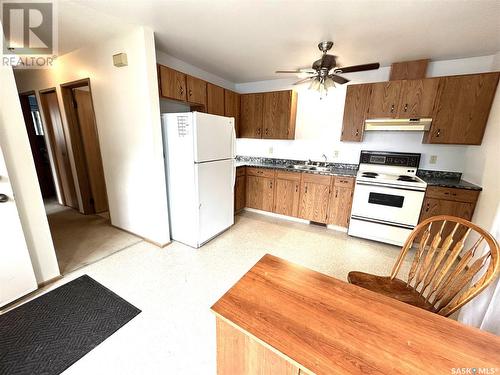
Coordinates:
377 221
378 184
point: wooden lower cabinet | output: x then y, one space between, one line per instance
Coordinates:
286 197
260 192
339 211
314 197
240 354
239 193
448 201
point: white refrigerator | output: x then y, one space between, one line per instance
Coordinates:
200 169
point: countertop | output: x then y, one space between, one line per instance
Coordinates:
433 178
450 183
345 172
328 326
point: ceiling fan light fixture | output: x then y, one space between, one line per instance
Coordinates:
315 85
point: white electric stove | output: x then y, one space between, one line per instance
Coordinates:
388 196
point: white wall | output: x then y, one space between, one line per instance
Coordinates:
128 120
319 122
17 152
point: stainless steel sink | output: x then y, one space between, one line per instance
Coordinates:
304 167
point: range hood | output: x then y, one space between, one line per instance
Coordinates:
408 124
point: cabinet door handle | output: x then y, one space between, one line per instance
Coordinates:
438 133
258 131
406 107
357 132
190 92
181 90
296 188
427 207
392 108
266 131
271 184
306 188
336 193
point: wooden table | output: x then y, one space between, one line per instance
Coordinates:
281 318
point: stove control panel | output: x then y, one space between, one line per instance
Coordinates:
400 159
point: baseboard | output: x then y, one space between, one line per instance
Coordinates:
49 281
294 219
157 244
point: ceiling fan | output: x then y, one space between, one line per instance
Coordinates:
323 73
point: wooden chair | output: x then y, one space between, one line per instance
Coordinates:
441 274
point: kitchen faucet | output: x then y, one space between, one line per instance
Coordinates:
324 156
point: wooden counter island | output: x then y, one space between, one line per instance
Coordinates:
281 318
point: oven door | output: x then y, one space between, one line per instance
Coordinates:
393 205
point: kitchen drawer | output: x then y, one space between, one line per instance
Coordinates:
261 172
316 179
452 194
240 171
343 181
285 175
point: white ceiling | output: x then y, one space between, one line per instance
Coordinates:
246 41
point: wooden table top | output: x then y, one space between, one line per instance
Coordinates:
328 326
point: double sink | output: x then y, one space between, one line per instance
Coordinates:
305 167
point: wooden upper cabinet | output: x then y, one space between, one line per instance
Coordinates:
260 192
215 99
417 98
356 105
279 114
314 197
232 108
462 108
172 83
251 115
339 212
384 99
196 90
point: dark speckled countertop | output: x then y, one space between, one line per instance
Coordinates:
446 179
334 169
433 178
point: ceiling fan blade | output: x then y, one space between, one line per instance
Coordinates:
338 79
305 80
357 68
288 71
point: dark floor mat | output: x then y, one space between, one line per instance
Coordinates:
53 331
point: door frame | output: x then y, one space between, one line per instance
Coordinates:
50 139
77 141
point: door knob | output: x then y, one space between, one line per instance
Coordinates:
3 198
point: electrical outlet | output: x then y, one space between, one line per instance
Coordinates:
433 159
336 154
270 150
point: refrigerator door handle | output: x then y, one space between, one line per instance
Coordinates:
233 144
234 173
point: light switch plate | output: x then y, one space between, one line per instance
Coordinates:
270 150
335 153
433 159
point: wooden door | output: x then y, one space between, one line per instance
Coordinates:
417 98
232 108
215 100
462 108
91 149
278 117
260 193
251 115
384 99
196 90
314 197
433 207
239 193
58 145
356 106
286 197
340 206
172 84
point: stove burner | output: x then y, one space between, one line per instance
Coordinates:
407 178
370 174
